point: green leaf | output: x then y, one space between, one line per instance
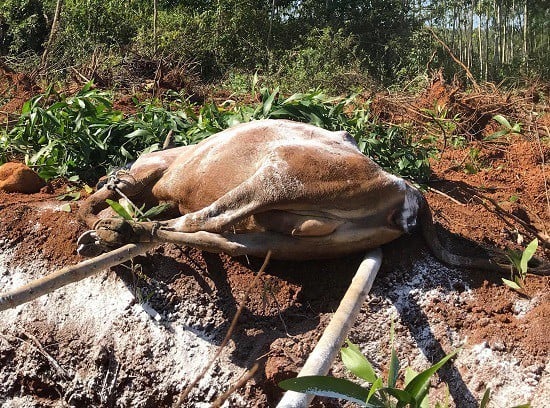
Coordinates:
254 83
496 135
403 397
139 133
87 86
269 102
156 210
418 384
73 196
514 257
511 284
503 121
528 254
375 387
357 363
119 209
522 406
516 128
409 375
126 153
66 207
393 371
486 397
469 168
327 387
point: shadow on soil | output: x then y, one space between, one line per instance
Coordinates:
309 289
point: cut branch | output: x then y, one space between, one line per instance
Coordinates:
455 59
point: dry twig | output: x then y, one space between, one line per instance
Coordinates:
242 381
441 193
228 335
455 59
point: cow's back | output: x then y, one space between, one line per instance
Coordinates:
201 175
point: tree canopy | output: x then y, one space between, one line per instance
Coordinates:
334 41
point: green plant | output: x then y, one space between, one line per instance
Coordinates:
442 123
83 136
507 130
66 136
23 26
520 264
379 393
473 165
130 212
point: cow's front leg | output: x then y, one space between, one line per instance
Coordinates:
117 231
110 233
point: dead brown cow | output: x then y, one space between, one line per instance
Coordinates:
298 190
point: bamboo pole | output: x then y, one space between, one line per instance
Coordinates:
322 356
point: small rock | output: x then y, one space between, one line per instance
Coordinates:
498 346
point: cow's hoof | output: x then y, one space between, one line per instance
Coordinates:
113 231
89 245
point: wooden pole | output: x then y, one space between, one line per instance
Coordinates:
71 274
321 358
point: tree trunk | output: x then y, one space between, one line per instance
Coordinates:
525 47
487 45
53 32
480 43
155 20
505 34
496 31
512 30
471 35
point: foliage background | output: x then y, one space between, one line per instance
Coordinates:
335 44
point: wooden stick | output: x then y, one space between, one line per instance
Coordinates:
322 356
71 274
242 381
228 335
441 193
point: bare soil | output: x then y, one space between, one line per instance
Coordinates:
138 334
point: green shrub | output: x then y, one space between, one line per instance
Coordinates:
381 393
72 136
22 26
328 59
84 136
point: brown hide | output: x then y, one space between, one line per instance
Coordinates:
272 176
298 190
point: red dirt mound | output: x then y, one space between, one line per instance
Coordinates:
19 178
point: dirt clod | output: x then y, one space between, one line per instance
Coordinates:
19 178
